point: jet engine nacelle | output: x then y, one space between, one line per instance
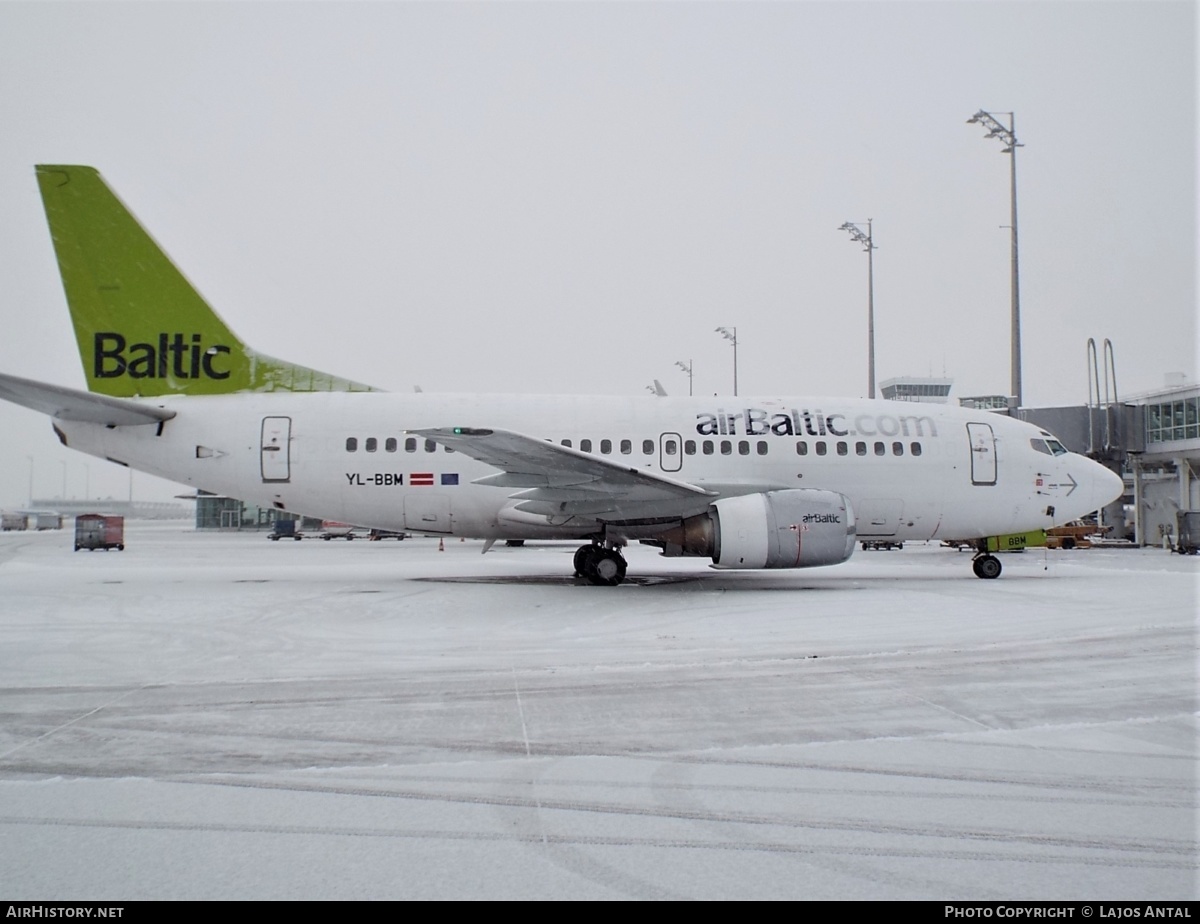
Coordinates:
801 528
783 529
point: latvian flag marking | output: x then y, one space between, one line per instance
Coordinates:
417 479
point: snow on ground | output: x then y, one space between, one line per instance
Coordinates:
219 716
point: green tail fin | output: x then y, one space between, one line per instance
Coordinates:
141 327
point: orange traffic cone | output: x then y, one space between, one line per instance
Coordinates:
441 545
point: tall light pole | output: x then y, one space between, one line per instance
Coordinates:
865 239
686 367
1008 137
730 334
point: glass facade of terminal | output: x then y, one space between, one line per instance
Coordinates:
1173 420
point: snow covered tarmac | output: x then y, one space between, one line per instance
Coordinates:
219 716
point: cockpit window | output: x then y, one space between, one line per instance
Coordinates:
1049 445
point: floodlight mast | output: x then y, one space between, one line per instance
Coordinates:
1008 138
730 334
686 367
856 233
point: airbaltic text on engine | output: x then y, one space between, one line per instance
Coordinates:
754 421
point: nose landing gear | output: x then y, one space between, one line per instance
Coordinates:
600 565
986 566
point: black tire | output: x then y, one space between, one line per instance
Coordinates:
583 555
987 567
1068 543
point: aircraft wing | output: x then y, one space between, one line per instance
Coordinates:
556 480
69 404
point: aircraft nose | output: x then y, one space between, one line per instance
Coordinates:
1106 486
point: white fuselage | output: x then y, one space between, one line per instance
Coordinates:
911 471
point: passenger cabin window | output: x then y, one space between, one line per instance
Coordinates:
585 445
915 448
880 449
371 444
726 448
606 447
390 445
743 447
821 447
351 444
689 447
860 448
801 448
842 449
707 447
762 447
670 447
647 447
567 443
410 444
897 449
626 447
430 446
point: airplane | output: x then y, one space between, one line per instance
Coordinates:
750 483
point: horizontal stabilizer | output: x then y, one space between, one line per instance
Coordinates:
68 404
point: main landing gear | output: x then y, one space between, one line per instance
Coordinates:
600 564
986 566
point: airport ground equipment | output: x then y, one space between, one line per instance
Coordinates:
285 529
1187 532
1076 535
99 531
331 529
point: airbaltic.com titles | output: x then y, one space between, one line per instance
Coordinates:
755 421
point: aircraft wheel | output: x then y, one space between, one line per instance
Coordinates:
583 557
606 568
987 567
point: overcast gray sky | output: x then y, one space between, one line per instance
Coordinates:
570 197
